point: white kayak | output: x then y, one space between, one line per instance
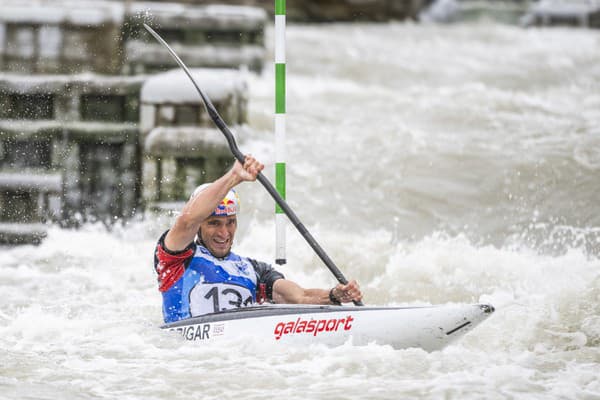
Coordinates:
426 327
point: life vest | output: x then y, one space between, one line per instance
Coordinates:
210 284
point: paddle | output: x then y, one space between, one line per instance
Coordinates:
214 115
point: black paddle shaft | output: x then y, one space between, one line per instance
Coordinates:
214 115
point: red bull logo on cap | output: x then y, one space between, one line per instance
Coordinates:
229 205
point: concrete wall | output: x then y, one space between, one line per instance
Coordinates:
50 38
209 36
71 144
182 146
81 129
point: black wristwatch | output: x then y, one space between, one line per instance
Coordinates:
332 298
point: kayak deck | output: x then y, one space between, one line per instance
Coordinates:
427 327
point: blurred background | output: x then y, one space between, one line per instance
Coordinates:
90 131
439 151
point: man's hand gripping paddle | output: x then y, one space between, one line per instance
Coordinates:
214 115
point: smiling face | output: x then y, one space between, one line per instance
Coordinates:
217 234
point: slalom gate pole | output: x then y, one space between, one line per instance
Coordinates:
280 220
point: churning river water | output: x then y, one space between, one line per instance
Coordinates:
435 164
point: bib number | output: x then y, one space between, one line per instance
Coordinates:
211 298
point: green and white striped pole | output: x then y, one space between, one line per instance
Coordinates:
280 128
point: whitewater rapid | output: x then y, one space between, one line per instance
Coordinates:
434 164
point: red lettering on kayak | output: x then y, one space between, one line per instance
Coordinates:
313 326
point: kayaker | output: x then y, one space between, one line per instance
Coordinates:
197 272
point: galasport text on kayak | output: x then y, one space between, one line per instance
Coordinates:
314 326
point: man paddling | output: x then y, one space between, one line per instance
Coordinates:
197 272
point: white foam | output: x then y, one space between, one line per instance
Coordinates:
433 164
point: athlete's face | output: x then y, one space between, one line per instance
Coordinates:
217 234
